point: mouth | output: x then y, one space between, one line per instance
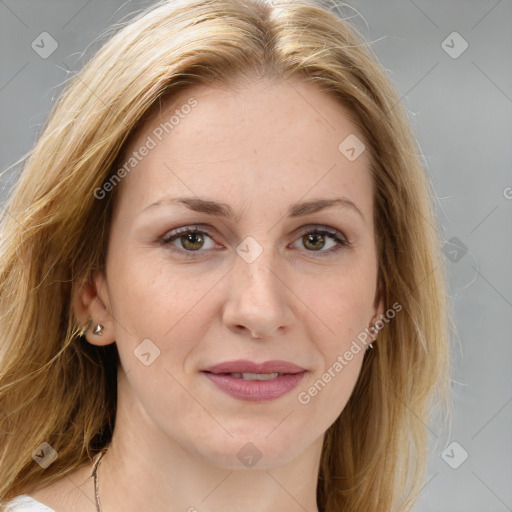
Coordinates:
252 376
245 367
255 382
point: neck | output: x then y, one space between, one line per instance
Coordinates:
145 469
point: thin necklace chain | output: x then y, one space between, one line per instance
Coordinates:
95 477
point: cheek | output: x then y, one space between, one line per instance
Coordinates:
152 298
343 302
146 291
344 307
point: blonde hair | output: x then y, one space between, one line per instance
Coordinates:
57 388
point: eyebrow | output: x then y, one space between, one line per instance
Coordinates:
210 207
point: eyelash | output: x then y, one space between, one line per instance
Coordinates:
338 237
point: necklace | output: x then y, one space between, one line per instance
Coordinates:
95 477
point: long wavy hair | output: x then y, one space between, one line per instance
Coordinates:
57 388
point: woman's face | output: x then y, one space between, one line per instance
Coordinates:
250 285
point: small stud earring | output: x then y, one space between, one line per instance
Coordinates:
373 330
98 330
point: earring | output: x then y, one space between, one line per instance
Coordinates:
373 329
98 329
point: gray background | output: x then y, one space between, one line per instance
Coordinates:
461 110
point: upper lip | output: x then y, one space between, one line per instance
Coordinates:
244 366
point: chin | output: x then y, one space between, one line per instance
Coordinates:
252 450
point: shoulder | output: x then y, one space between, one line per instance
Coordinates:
65 494
24 503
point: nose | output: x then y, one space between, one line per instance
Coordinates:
258 300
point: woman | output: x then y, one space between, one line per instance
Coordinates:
221 277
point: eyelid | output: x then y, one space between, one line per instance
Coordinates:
191 228
339 237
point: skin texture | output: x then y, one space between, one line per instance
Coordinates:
258 149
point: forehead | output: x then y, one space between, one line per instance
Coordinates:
261 139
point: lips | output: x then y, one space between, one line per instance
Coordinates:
255 382
245 366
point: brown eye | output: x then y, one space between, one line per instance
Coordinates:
193 241
314 240
190 240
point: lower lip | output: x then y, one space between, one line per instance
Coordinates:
256 390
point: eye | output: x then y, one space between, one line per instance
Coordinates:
314 239
191 240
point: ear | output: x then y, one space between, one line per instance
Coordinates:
90 299
378 310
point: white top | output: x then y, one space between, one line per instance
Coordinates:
24 503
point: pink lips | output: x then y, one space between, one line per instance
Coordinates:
255 390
